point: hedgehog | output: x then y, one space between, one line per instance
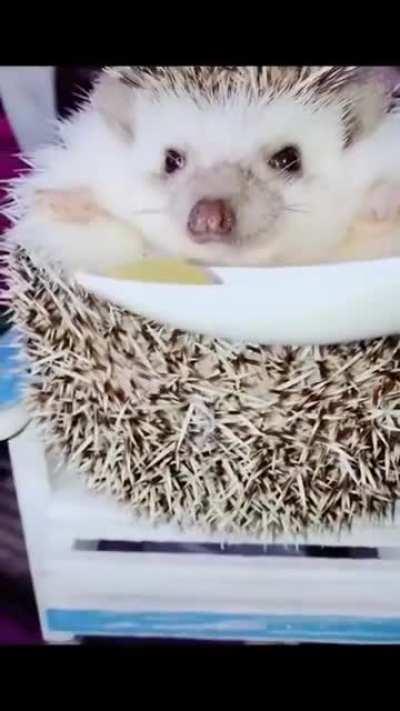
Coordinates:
219 165
236 165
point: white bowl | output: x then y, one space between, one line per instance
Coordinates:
291 305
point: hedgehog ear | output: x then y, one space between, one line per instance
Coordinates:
367 99
113 99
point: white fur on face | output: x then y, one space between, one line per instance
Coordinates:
279 220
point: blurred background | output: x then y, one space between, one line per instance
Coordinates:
31 101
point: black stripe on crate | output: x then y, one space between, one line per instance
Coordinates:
228 549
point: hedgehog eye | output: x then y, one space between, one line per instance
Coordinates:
174 160
287 160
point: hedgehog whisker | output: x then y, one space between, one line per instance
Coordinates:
287 167
148 212
296 208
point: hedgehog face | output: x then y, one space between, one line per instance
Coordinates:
235 166
236 182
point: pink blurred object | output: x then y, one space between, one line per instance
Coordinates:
11 165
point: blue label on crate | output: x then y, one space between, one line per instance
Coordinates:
220 626
12 370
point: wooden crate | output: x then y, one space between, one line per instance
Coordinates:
98 571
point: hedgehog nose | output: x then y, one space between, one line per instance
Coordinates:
211 221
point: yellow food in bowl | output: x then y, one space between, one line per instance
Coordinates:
163 271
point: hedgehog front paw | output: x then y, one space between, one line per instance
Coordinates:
383 203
